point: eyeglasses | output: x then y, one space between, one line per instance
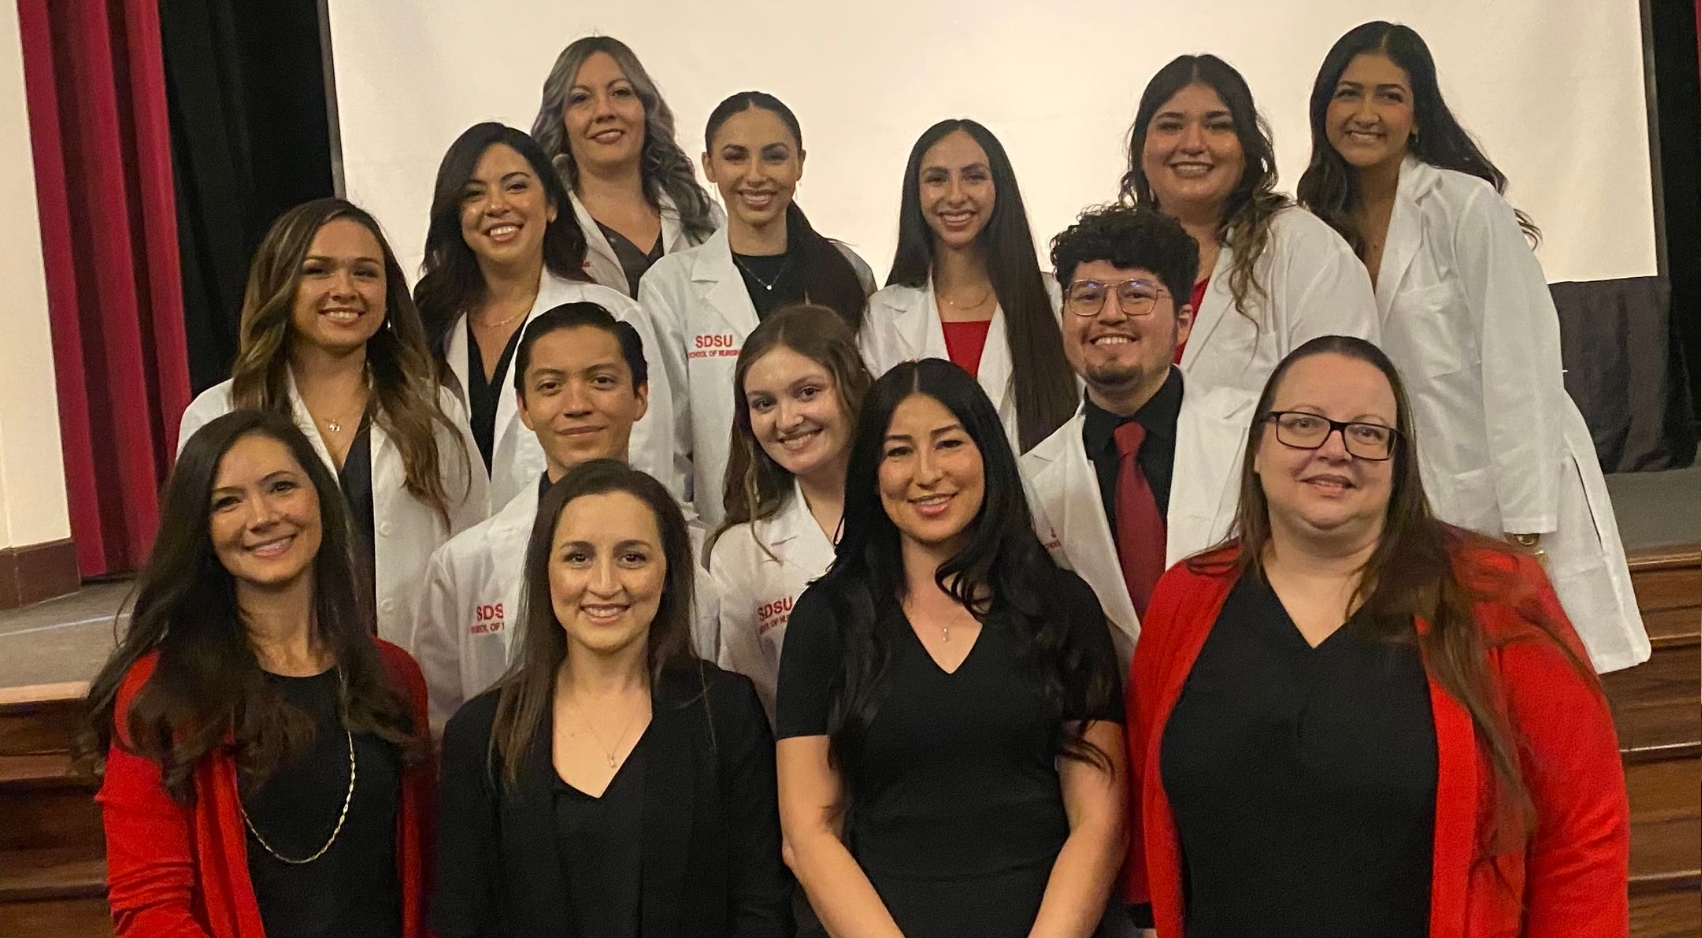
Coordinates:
1301 430
1134 297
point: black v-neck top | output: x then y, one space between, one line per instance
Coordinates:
635 261
956 814
772 280
601 846
484 393
1302 780
355 479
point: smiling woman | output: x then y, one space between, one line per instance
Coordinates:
262 752
331 338
608 724
950 725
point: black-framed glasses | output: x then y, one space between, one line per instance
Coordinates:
1134 297
1301 430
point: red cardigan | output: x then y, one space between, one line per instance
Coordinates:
1570 879
176 872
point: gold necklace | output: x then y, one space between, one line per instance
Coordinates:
501 322
607 752
336 426
973 305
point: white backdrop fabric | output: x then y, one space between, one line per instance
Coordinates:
1553 89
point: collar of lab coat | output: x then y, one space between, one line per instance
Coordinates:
310 428
1406 228
598 243
712 264
552 292
1218 302
919 321
511 528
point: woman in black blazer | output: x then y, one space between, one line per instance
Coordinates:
611 784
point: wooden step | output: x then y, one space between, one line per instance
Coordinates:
40 718
85 917
44 807
1666 825
1666 915
1665 578
51 873
1672 628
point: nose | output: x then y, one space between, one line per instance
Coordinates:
574 400
1193 136
605 579
1111 308
601 106
496 201
1334 447
262 513
342 283
954 189
786 414
928 471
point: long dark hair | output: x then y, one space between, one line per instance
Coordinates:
1245 225
1045 391
1412 575
829 279
663 167
525 692
403 377
756 486
208 687
1003 572
1330 187
450 280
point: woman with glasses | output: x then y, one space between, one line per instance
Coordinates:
1271 275
1467 315
966 285
1353 719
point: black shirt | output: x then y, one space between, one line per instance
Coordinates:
772 280
634 260
353 888
355 479
956 814
601 850
1302 780
483 394
1157 454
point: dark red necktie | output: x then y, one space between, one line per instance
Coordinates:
1140 527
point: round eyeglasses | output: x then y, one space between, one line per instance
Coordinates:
1134 297
1300 430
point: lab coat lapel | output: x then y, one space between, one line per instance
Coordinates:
1068 491
304 420
725 292
455 351
796 538
994 370
595 241
672 231
1211 434
1406 231
1216 304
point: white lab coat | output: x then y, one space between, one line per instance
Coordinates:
517 458
759 587
1314 285
698 306
903 324
1469 321
1069 514
467 628
405 529
601 262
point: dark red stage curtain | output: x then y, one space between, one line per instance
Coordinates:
98 128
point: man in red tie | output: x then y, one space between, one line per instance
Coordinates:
1144 474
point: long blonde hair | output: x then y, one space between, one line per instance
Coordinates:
403 376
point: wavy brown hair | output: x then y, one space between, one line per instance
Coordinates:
1416 573
525 693
663 165
402 372
1245 225
756 486
208 687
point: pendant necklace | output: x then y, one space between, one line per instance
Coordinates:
767 285
607 752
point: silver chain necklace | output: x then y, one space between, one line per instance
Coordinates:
766 284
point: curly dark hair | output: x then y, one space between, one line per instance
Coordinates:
1128 236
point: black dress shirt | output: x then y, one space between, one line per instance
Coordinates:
1157 455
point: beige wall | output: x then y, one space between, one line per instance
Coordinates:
32 471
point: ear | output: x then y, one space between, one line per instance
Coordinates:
708 167
520 405
642 392
1184 323
801 155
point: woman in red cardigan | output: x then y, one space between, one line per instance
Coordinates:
266 768
1355 720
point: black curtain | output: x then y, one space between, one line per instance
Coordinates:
250 138
1672 32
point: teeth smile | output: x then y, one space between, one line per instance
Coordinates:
933 500
1113 340
273 548
502 231
342 315
603 612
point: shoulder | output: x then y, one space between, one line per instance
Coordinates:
813 624
734 546
1297 231
466 737
210 404
403 669
617 303
134 680
1471 205
891 300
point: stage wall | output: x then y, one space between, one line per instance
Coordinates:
1552 88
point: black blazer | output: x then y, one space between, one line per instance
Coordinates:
711 829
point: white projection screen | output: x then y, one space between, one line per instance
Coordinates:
1553 89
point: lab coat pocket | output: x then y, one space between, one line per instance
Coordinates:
1433 324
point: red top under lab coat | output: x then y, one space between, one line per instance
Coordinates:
177 872
1569 881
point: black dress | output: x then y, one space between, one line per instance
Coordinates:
353 888
635 261
956 815
483 393
1302 780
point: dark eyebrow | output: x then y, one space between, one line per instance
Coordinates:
332 260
